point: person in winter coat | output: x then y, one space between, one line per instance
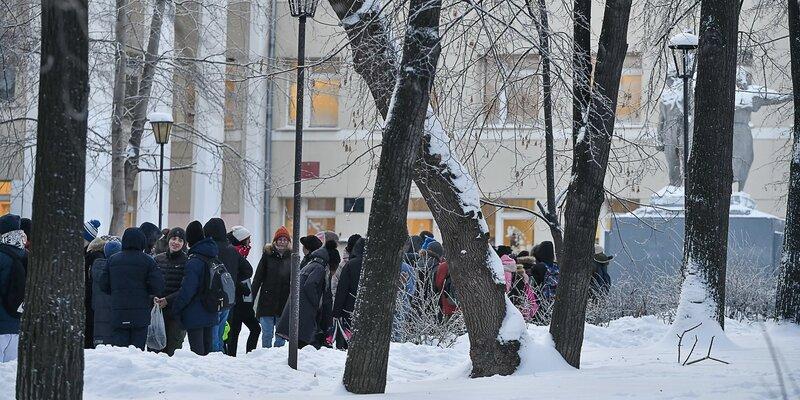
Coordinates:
239 268
601 280
545 259
133 280
518 288
90 231
173 265
101 301
27 226
535 270
13 267
407 288
334 279
310 244
242 312
312 286
93 253
345 301
187 304
271 283
162 244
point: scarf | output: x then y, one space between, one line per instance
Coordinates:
14 239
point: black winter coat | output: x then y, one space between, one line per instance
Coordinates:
101 305
238 266
173 267
346 291
272 281
132 279
312 285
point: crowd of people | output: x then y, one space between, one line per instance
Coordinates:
200 279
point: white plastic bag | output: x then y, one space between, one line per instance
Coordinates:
156 332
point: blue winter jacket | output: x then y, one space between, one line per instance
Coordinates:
132 278
186 303
8 324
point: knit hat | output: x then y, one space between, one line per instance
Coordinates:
8 223
177 232
503 250
432 246
601 256
283 232
351 243
194 233
26 225
311 242
112 247
241 233
426 234
544 252
328 236
90 229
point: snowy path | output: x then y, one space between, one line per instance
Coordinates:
622 361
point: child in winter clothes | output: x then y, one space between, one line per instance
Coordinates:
518 288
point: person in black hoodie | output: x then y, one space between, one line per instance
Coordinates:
312 287
347 289
239 268
102 310
151 234
173 264
187 304
94 252
271 283
133 280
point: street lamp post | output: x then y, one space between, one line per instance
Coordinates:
684 43
301 9
162 126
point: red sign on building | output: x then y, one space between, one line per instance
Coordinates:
309 170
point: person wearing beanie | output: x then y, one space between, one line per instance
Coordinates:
312 287
426 234
194 233
433 248
90 231
311 243
101 308
13 261
504 250
151 233
132 279
242 312
239 237
272 283
545 262
238 266
348 252
518 287
172 264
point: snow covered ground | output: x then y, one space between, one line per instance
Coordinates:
623 360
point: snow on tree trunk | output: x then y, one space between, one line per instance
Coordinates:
119 200
585 196
710 176
788 298
581 67
368 354
464 231
50 362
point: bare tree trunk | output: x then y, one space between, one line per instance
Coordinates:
788 299
582 68
51 336
368 354
708 195
119 201
143 97
482 301
543 28
585 195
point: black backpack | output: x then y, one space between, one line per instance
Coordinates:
219 290
14 293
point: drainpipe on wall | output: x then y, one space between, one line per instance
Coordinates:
268 131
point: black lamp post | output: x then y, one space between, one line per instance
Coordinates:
301 9
162 126
684 43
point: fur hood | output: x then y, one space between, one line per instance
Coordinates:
98 243
527 260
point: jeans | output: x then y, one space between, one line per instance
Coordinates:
268 332
8 347
219 330
200 340
124 337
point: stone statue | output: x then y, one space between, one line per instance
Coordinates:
749 99
670 128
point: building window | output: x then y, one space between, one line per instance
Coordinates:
8 75
5 197
318 213
511 227
235 96
321 105
419 217
629 100
512 91
353 204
